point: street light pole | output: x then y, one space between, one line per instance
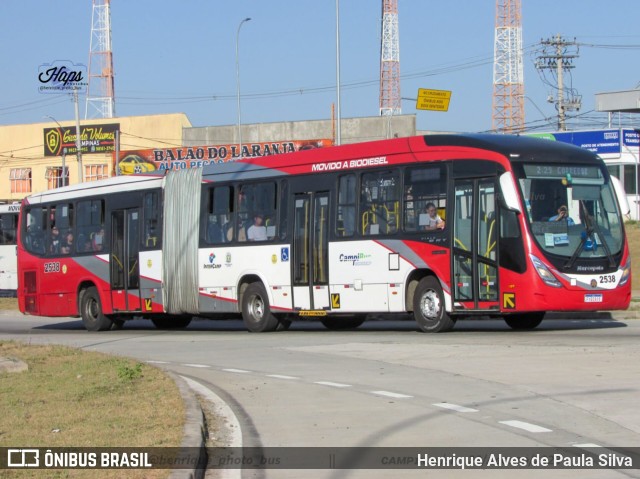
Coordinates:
78 140
64 153
238 86
339 112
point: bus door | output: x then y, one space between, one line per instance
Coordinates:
475 250
123 263
310 251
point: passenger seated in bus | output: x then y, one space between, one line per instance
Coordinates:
35 239
54 241
241 236
67 244
257 232
98 240
563 215
214 231
431 221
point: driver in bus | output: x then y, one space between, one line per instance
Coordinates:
563 215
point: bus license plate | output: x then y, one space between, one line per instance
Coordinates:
593 298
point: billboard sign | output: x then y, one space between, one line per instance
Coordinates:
180 158
93 139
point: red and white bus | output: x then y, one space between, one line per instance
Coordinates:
441 226
8 254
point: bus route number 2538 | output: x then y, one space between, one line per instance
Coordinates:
52 267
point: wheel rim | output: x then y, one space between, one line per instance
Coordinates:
430 305
93 310
256 308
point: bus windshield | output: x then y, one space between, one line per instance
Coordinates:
572 210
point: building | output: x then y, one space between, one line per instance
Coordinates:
42 156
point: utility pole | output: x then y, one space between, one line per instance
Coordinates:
557 56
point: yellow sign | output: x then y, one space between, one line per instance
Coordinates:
147 304
335 301
436 100
509 300
312 312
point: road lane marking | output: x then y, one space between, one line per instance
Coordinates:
281 376
197 365
334 385
391 394
454 407
241 371
587 445
157 362
526 426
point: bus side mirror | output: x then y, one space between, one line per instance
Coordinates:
621 195
509 192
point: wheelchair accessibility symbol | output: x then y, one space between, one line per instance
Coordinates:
284 254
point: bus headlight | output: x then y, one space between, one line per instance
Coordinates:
626 273
544 273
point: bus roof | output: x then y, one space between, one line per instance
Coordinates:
97 188
345 157
381 152
9 207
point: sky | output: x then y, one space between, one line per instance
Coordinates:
180 56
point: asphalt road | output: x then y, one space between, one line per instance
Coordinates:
568 384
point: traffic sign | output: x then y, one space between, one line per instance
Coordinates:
436 100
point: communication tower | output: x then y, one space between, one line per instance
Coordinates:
390 100
100 92
508 71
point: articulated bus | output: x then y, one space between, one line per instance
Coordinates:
8 254
438 227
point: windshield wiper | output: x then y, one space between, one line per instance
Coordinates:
590 227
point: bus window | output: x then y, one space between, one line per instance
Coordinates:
89 223
219 209
34 237
422 186
151 220
8 226
346 217
380 204
258 199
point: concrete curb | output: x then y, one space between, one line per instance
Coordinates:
194 432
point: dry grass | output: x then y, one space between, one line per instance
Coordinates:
633 236
76 398
9 304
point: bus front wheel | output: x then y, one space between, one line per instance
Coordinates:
256 312
91 311
524 320
428 307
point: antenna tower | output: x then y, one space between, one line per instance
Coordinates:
100 92
508 72
390 100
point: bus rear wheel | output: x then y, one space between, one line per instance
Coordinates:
91 311
428 307
256 312
524 320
